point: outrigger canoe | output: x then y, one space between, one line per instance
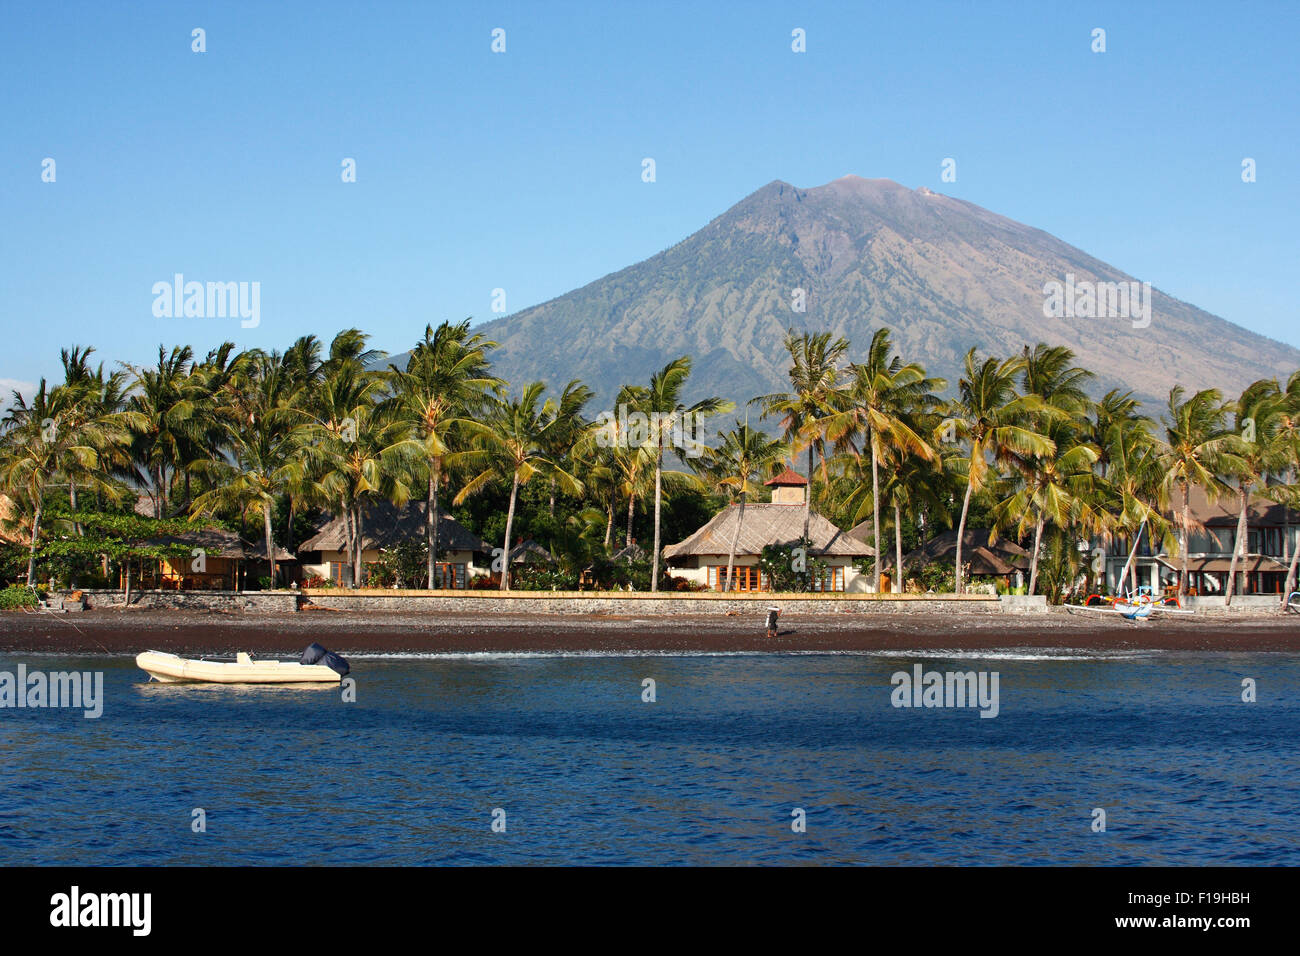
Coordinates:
171 669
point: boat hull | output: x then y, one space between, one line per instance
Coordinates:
172 669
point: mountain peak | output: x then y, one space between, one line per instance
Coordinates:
850 256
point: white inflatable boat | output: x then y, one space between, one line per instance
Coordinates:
170 669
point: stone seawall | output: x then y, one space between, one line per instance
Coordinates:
636 604
630 604
256 602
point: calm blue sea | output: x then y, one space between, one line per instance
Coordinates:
588 773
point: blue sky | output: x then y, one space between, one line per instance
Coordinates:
522 170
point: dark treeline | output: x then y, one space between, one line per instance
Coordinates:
267 442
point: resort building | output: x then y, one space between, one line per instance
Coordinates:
216 560
703 556
461 555
983 555
1272 535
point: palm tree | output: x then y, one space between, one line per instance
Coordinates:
1198 447
875 407
446 380
95 410
49 437
167 399
1056 488
352 448
993 421
257 420
663 403
617 453
1261 451
568 427
1288 437
511 445
1052 489
743 457
805 408
1132 486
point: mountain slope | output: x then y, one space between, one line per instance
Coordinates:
944 274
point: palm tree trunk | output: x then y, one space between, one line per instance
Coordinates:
1290 576
654 567
1033 559
1238 544
609 521
1130 563
510 523
875 506
347 531
1187 541
551 506
430 520
898 549
735 543
270 544
961 531
72 501
31 553
807 498
357 536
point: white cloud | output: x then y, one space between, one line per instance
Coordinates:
9 385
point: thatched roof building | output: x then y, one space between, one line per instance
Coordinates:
999 556
764 524
384 526
220 543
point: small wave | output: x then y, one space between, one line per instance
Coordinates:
1013 654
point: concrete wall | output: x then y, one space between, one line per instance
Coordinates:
1023 603
1241 604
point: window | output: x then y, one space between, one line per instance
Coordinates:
831 579
747 578
448 575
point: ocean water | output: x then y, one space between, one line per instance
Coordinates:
586 772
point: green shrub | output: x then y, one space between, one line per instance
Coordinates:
17 596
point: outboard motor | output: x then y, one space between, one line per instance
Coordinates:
315 654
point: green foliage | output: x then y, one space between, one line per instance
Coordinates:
790 567
936 577
405 566
17 596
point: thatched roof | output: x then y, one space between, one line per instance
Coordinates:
384 525
633 552
11 529
863 531
767 524
220 543
529 551
998 557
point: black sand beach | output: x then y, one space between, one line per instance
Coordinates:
188 632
